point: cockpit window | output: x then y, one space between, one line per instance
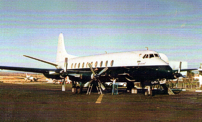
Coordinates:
145 56
156 55
151 55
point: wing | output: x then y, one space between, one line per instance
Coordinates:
40 70
26 69
188 69
185 70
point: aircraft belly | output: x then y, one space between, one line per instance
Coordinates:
138 72
151 72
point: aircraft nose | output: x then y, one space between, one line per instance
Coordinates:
162 62
157 62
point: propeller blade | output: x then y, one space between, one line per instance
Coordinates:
179 69
63 84
91 68
65 65
102 71
87 83
102 86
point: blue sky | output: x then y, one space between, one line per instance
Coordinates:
92 27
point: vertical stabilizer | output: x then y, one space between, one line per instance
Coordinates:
61 52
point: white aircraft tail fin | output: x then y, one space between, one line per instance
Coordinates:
61 52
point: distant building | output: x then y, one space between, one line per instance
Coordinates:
175 65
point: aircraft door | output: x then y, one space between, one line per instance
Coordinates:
139 59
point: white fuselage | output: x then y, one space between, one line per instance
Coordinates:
123 59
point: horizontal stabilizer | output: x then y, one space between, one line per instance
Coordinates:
41 60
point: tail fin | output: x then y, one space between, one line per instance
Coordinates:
61 52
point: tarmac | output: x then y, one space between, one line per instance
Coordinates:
46 102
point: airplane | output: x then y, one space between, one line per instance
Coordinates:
134 66
29 77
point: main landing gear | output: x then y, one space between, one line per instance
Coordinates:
149 88
91 86
98 86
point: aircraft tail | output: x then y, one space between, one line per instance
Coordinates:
61 51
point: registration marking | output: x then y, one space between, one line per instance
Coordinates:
99 98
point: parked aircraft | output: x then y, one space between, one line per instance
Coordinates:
29 77
135 66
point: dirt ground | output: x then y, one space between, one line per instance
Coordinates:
18 77
46 102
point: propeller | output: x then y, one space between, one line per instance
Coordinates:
95 77
178 74
179 69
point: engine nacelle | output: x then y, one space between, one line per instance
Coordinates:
81 77
54 74
60 74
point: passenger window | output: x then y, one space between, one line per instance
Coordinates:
83 65
91 64
101 63
79 65
87 65
106 63
112 63
95 64
151 55
75 65
72 65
